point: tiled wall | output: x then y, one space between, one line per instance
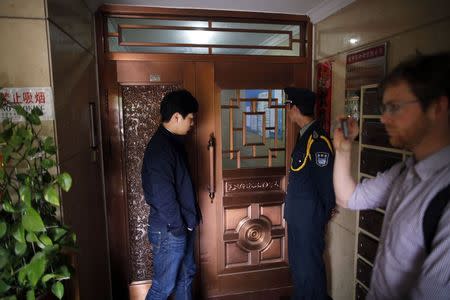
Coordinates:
24 59
407 26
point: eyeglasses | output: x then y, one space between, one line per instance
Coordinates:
394 107
289 103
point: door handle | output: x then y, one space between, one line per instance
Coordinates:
212 164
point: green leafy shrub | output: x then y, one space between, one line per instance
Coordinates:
33 240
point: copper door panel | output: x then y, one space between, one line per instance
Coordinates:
150 72
140 106
130 115
248 249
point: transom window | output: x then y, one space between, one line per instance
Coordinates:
206 36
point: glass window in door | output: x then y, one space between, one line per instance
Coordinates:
253 128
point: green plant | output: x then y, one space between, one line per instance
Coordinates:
33 240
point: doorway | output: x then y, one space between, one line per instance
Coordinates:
237 152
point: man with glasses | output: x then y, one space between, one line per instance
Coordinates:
310 197
413 258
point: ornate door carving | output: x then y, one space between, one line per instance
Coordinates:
140 108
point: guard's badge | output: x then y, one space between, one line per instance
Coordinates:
322 159
315 135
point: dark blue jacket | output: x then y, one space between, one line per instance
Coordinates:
167 183
310 196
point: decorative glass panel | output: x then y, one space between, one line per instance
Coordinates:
147 35
240 51
113 23
203 37
114 47
253 129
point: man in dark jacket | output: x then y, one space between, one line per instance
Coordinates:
310 197
168 189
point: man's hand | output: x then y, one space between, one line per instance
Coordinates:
343 182
341 143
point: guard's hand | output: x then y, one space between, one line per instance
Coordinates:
339 141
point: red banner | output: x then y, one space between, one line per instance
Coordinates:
366 54
323 103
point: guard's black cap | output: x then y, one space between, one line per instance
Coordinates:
303 98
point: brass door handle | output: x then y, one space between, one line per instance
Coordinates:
212 164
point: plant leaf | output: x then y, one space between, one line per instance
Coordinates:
18 233
3 287
48 163
58 289
3 228
6 151
58 233
36 268
65 181
25 133
47 277
31 237
30 295
21 277
2 173
49 146
15 141
63 271
51 195
32 221
45 240
4 257
37 111
20 110
25 194
35 120
7 206
20 248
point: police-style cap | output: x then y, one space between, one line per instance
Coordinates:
303 98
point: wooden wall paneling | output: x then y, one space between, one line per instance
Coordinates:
115 184
253 75
206 119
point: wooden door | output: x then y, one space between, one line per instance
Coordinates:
243 237
242 242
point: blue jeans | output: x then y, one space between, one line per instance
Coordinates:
173 264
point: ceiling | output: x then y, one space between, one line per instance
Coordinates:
317 10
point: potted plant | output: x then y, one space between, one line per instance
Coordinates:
33 240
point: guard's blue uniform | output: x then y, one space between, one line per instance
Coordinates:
309 202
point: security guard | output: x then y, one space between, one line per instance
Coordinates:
310 197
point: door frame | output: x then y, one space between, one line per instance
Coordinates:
112 133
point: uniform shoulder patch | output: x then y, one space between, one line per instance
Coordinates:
322 159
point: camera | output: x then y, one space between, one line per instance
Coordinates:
344 127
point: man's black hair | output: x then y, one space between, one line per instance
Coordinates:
426 75
179 101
